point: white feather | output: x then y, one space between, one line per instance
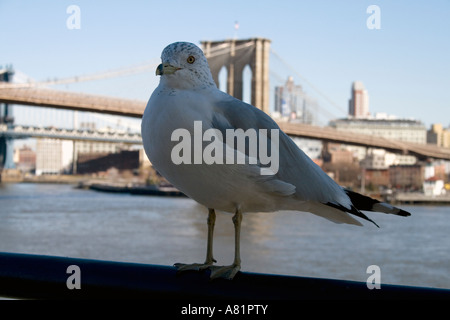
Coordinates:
190 95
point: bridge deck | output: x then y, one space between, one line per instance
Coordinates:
395 146
133 108
72 101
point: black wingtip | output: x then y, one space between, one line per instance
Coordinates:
353 211
366 203
362 215
403 213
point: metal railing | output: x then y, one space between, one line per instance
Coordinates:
49 277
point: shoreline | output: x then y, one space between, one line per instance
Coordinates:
133 186
63 179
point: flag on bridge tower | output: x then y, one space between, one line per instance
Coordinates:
236 27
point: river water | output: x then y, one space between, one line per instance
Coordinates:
54 219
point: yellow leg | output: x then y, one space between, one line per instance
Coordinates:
228 272
209 249
237 219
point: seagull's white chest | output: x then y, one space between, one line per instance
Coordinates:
165 113
168 111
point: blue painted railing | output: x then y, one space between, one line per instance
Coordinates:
50 277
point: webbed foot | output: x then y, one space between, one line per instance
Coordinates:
224 272
181 267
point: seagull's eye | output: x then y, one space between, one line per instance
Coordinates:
191 59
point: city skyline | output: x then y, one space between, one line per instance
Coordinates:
293 103
403 64
358 104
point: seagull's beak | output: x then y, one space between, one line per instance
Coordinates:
166 69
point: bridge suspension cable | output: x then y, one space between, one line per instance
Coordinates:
334 104
324 112
89 77
143 67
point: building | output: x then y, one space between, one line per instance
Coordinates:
379 159
439 136
341 156
82 147
124 160
25 159
407 177
392 129
340 164
292 102
89 150
312 148
434 187
358 105
53 156
375 178
434 178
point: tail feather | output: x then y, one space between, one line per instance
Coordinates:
365 203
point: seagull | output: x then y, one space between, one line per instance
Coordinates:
186 106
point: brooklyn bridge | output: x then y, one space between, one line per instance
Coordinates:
132 108
234 56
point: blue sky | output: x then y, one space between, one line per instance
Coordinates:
405 65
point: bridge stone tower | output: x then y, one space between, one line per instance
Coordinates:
6 146
235 55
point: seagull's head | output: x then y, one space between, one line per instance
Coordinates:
184 66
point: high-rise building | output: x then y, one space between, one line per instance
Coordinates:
358 105
292 102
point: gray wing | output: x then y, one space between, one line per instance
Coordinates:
295 167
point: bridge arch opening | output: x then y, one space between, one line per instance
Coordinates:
247 78
223 79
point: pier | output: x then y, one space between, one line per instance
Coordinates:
420 198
